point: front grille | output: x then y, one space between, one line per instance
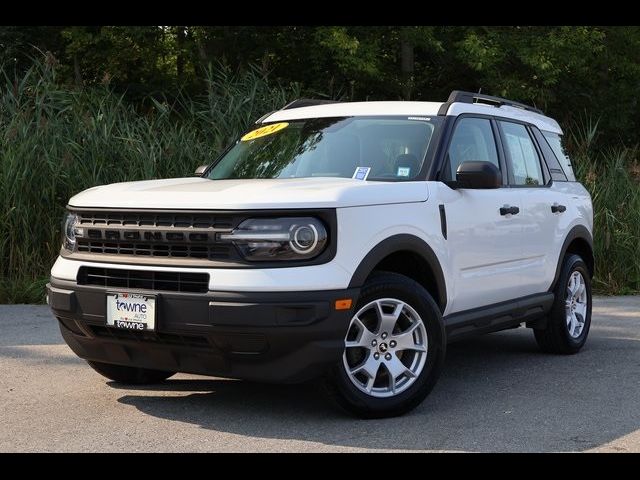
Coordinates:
157 337
142 279
159 219
157 234
211 252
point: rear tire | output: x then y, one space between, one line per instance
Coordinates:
569 320
130 375
383 373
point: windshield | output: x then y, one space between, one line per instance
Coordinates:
385 148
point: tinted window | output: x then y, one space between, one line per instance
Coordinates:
555 142
525 163
393 149
555 170
472 140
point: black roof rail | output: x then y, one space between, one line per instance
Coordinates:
300 102
306 102
265 116
470 97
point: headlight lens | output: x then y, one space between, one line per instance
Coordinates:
286 238
69 231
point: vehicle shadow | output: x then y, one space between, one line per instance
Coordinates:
497 393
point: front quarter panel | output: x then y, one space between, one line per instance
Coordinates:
361 229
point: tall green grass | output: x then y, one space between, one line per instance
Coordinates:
612 176
56 141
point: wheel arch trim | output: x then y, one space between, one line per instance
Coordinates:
577 232
402 243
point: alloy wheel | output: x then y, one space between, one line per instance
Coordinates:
576 304
385 347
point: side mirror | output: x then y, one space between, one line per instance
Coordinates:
478 175
200 170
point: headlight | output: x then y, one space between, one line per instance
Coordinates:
287 238
69 232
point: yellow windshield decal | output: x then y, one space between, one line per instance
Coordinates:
264 131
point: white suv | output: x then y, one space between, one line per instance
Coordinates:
351 241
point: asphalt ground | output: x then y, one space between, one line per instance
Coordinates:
497 393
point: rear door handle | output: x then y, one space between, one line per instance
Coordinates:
555 208
509 210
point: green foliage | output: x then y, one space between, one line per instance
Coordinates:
562 69
56 141
114 103
613 179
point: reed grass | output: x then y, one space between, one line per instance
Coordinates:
56 141
612 176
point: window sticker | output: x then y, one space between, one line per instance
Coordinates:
424 119
264 131
361 173
403 171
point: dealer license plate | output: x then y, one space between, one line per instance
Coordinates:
131 311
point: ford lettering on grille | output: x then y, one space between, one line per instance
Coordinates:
156 234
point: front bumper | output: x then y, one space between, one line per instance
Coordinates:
283 337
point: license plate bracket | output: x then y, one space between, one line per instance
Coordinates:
131 311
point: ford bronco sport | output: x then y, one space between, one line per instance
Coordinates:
347 241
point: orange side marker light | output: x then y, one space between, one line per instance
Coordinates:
343 304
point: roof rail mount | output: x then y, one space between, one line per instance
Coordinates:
470 97
306 102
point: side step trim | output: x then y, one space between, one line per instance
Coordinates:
498 316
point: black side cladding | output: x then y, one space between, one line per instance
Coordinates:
399 243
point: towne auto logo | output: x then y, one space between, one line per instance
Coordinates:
132 310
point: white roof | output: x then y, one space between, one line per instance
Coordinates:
354 109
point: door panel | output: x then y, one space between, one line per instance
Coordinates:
485 246
540 225
543 235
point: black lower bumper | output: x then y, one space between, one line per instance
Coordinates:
272 337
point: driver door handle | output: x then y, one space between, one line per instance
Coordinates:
509 210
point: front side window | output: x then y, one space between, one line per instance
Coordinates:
525 162
393 149
472 140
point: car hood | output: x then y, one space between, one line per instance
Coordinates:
201 193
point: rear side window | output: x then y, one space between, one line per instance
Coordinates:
525 162
472 140
555 142
555 170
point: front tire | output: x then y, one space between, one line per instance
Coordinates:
569 320
129 375
394 349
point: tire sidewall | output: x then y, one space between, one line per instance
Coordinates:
410 292
572 264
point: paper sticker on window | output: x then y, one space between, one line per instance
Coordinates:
264 131
361 173
404 171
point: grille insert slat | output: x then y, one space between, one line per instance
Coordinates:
155 249
199 221
164 235
146 280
